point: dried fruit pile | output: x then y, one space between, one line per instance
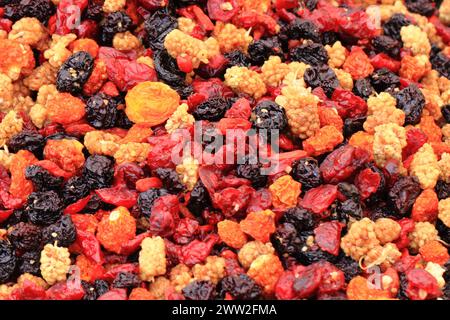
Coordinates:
95 203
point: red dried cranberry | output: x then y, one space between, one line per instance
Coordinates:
328 236
319 199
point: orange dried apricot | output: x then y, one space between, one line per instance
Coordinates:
259 225
66 153
64 108
151 102
230 232
21 187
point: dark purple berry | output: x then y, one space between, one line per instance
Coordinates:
7 261
412 101
241 287
199 290
25 236
322 76
74 72
306 171
313 54
62 232
101 111
269 115
42 179
170 179
403 194
98 171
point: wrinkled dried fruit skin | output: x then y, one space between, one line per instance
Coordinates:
403 194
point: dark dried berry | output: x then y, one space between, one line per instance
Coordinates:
422 7
101 111
301 218
7 261
442 189
306 171
349 266
95 290
113 23
443 231
241 287
310 4
348 190
393 26
42 179
309 254
29 262
268 115
184 90
62 232
94 11
285 240
329 37
74 72
352 125
44 208
446 112
26 140
157 27
200 290
25 236
170 179
403 194
322 76
39 9
384 79
387 45
412 101
148 197
383 210
313 54
122 120
212 109
251 170
363 88
260 50
98 171
346 210
74 189
302 29
237 58
126 280
199 199
167 69
441 63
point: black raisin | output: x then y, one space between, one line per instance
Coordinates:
30 262
44 208
74 189
443 231
26 140
101 111
329 37
352 125
268 115
383 79
251 170
363 88
313 54
403 194
260 50
167 69
39 9
62 232
25 236
349 266
322 76
113 23
199 199
157 27
98 171
310 4
302 29
94 11
412 101
387 45
237 58
212 109
199 290
306 171
170 179
446 112
442 189
310 254
393 26
95 290
441 63
7 261
74 72
126 280
346 210
42 179
241 287
285 240
301 218
122 120
348 190
148 197
422 7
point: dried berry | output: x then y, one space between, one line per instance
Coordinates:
353 125
301 29
39 9
403 194
441 63
348 190
363 88
322 76
94 11
95 290
157 27
44 208
126 280
101 111
387 45
170 179
29 262
167 69
393 26
313 54
442 189
26 140
412 101
199 199
251 170
240 286
199 290
260 50
349 266
74 72
446 112
212 109
346 210
384 80
62 232
268 115
42 179
237 58
25 236
300 218
147 198
306 171
74 189
7 261
113 23
422 7
98 171
286 240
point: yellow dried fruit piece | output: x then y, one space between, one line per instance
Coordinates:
151 102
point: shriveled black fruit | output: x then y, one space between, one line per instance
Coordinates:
212 109
74 72
301 218
26 140
75 189
126 280
349 266
285 240
62 232
29 262
321 76
113 23
306 171
348 190
352 125
44 208
384 79
98 171
422 7
167 69
251 170
387 45
95 290
412 101
269 115
441 63
199 290
199 199
170 179
237 58
395 23
157 27
7 261
147 198
260 50
101 111
241 287
403 194
42 179
347 209
302 29
39 9
313 54
363 88
442 189
25 236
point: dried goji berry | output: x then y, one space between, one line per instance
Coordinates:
421 285
415 138
348 104
367 181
